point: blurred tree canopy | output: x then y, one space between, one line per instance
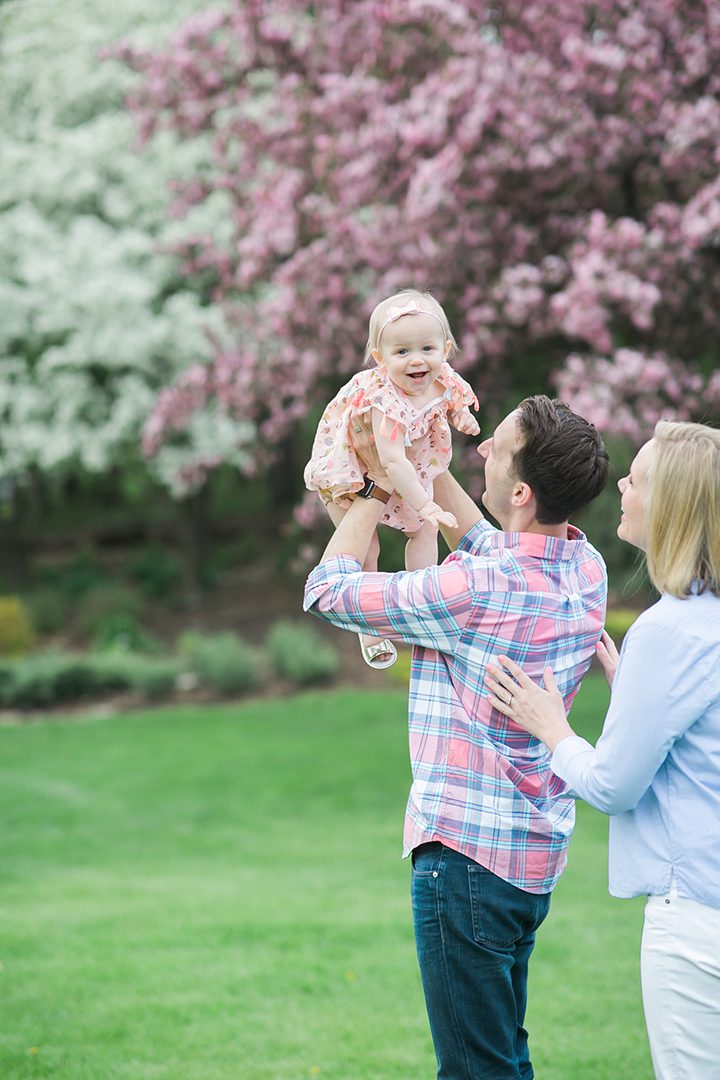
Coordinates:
549 168
96 318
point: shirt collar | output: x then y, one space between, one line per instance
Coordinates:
540 546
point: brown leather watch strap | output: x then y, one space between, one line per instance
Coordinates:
372 491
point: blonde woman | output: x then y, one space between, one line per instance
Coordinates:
656 766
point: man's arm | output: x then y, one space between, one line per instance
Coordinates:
453 498
355 531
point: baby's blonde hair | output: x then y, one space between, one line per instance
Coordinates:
684 508
424 300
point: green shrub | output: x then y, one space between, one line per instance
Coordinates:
151 676
297 652
157 570
48 609
81 575
122 633
16 633
48 679
110 601
222 662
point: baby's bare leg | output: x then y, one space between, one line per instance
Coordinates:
421 549
370 567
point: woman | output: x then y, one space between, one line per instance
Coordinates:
656 766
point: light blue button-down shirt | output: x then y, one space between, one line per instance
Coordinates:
656 766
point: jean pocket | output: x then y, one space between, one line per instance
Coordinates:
426 860
502 914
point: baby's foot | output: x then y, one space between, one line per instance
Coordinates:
377 653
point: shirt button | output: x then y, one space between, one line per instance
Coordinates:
435 873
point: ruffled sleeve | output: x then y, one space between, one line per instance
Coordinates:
458 392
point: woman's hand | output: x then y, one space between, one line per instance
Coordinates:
541 712
607 654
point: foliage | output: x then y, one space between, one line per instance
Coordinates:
112 600
549 169
297 652
121 632
157 570
96 318
151 676
222 662
16 630
49 609
55 678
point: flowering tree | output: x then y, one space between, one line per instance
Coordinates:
549 168
95 317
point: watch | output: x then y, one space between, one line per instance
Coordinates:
370 490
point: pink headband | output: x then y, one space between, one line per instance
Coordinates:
413 308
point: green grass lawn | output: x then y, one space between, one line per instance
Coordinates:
217 894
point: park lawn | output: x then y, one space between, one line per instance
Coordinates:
216 893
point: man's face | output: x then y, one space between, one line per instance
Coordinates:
498 453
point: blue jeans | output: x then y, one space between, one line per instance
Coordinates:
474 934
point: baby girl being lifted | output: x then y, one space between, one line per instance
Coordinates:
413 395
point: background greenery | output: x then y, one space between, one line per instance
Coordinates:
98 319
217 894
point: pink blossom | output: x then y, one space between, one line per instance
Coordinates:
548 169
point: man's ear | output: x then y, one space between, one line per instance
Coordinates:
522 494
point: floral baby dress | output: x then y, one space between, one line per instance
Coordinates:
334 470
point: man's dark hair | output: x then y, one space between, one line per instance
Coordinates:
563 459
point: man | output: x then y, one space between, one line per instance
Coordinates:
487 822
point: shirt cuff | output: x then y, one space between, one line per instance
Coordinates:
475 536
566 751
337 566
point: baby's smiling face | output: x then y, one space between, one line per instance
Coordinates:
412 350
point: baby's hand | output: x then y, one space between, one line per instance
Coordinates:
436 515
465 422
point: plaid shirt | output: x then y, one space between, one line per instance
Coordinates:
481 784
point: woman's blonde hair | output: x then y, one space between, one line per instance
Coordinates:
683 534
424 300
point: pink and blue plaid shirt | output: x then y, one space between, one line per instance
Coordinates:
481 785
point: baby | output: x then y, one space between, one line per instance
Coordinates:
413 396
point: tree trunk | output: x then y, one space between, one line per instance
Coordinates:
196 542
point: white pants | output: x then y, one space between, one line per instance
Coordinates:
680 969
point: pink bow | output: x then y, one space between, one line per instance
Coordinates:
411 308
